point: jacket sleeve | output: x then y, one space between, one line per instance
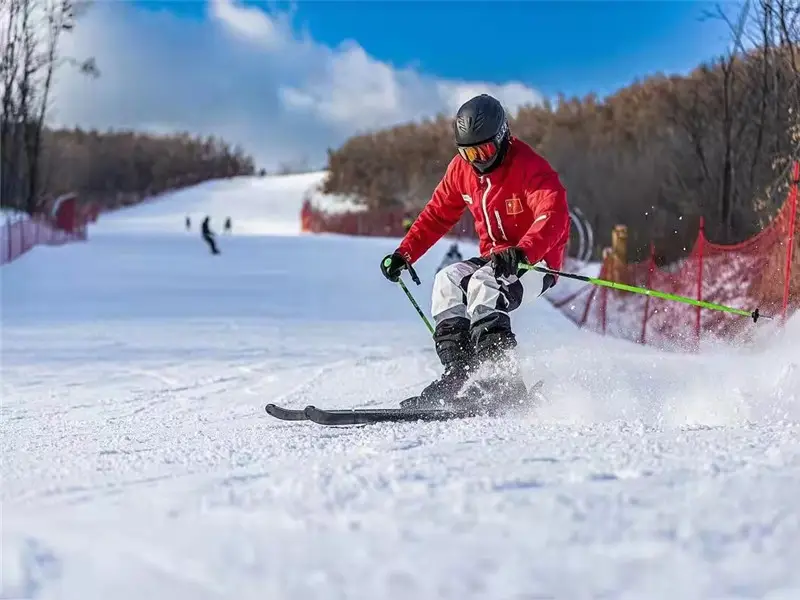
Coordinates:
547 199
437 218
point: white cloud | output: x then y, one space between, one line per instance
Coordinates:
250 22
248 76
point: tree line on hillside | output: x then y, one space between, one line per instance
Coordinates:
121 167
108 168
656 155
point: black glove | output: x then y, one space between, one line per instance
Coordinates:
506 262
392 265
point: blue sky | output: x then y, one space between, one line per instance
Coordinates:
566 46
309 74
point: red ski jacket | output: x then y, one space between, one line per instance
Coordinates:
521 203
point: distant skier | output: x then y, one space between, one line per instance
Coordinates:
228 225
208 236
453 256
188 223
521 215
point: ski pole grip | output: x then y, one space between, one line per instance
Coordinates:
415 278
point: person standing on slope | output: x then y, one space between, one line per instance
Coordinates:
521 215
208 235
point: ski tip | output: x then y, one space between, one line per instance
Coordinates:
273 409
285 414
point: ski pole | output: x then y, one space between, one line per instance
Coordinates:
416 280
755 315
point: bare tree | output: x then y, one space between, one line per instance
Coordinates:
732 124
30 32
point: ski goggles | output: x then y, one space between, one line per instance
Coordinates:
478 153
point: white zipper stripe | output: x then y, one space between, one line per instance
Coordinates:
486 211
500 224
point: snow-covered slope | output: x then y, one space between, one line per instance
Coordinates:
138 460
256 205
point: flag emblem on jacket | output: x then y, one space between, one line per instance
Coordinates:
513 205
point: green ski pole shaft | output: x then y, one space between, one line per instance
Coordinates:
415 278
653 293
416 306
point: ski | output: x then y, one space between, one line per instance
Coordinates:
363 416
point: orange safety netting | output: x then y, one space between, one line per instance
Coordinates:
762 272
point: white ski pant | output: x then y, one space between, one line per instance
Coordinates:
470 290
471 307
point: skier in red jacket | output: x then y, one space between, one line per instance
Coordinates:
521 215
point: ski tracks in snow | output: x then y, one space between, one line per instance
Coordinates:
469 509
138 460
89 428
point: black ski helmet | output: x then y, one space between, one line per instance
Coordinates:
481 132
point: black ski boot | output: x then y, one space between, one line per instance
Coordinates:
495 394
441 392
498 384
455 351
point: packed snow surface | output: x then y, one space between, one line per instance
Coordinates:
138 461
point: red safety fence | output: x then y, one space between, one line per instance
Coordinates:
19 236
385 223
62 221
762 272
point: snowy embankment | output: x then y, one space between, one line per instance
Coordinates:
138 460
